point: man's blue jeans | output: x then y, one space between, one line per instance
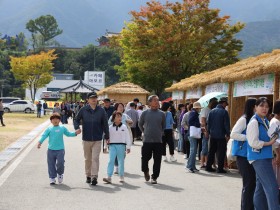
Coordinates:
266 193
193 150
55 162
180 141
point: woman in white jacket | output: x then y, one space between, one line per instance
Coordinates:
239 149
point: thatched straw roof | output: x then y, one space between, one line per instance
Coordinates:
123 88
243 70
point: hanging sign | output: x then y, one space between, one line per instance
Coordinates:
262 85
194 93
177 95
217 87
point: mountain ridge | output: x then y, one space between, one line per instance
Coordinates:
84 21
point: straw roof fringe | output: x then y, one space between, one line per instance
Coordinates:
243 70
123 88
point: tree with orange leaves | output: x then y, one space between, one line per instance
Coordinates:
35 71
171 41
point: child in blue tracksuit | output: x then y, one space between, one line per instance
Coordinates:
119 142
56 151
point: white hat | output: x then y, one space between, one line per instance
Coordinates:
196 105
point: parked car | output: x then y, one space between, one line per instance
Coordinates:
20 106
7 100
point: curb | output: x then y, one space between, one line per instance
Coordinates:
11 152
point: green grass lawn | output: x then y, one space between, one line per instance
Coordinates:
17 125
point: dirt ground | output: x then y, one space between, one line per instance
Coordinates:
17 125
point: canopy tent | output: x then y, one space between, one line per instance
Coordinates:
79 87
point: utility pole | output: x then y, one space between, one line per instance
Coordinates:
2 86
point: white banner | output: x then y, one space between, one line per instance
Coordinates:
217 87
194 93
262 85
177 95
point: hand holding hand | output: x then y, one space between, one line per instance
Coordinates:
78 131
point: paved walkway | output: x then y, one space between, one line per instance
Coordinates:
24 184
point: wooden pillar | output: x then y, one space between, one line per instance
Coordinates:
236 105
231 102
276 87
203 90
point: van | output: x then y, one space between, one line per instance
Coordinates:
7 100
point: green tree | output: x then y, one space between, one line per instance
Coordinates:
171 41
43 31
35 71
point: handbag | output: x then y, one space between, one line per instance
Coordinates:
195 132
230 157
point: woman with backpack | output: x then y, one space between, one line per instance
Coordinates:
260 156
239 149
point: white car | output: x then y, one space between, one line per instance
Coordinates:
20 106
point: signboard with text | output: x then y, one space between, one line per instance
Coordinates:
177 95
262 85
194 93
217 87
95 79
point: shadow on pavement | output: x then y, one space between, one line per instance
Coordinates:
133 176
62 187
161 186
173 163
215 174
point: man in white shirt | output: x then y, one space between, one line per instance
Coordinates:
203 121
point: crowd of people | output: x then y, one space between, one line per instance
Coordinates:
201 133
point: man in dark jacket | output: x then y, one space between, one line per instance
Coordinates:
95 123
218 126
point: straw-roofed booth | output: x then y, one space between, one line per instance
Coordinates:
255 76
124 92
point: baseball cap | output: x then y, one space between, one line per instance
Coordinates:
223 99
92 95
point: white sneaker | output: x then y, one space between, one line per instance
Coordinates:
122 179
172 158
60 178
185 156
108 180
164 158
52 181
116 170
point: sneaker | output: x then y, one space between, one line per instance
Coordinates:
88 179
52 181
172 158
185 156
202 166
196 170
122 179
164 158
94 181
3 125
154 181
147 176
60 178
108 180
116 170
190 170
